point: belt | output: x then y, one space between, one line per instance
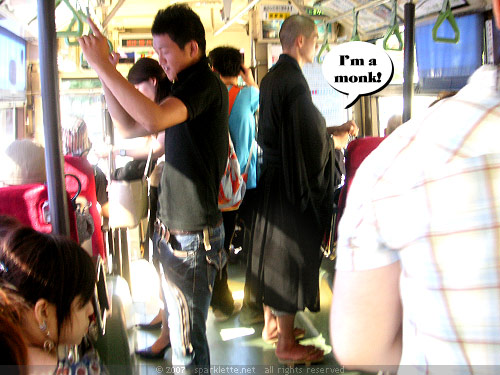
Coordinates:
164 232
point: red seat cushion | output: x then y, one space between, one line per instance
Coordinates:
25 203
357 151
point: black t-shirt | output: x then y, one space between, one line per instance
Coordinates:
195 152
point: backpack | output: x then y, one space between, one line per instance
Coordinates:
232 187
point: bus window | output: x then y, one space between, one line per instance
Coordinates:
7 127
83 98
389 105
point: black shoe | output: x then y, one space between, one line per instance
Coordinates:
149 354
148 326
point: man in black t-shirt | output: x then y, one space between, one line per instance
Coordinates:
189 231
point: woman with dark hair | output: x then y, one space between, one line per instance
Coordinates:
150 79
13 350
47 283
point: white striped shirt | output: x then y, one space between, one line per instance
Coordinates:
429 196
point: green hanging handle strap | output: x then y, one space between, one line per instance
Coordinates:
82 17
355 34
446 14
76 18
83 63
393 29
324 46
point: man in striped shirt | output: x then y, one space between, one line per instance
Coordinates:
418 270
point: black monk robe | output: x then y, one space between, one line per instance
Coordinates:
295 191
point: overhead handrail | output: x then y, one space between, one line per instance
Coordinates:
446 14
111 14
237 16
358 8
393 29
355 34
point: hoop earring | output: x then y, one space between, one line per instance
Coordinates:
48 344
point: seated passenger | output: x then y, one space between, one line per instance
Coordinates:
13 349
76 142
393 122
47 283
23 162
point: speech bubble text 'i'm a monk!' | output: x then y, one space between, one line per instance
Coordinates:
357 68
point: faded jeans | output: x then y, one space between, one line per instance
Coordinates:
189 274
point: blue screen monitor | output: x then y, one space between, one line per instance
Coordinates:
445 66
12 67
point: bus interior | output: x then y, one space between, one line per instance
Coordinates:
423 70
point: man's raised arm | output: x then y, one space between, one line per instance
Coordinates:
151 116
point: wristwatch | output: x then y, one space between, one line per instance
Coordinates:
123 152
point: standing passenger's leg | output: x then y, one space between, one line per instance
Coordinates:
187 289
222 300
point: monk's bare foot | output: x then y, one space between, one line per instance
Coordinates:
270 329
298 354
297 332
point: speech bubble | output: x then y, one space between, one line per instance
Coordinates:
357 68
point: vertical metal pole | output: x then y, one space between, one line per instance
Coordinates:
253 59
109 135
47 49
409 57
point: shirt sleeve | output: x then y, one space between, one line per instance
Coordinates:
254 98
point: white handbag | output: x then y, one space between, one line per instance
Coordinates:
128 200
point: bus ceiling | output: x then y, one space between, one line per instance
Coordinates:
20 16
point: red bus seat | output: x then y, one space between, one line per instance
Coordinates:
81 168
357 151
26 204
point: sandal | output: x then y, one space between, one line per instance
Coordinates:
314 356
298 332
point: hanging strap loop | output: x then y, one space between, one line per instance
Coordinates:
355 34
446 14
393 29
